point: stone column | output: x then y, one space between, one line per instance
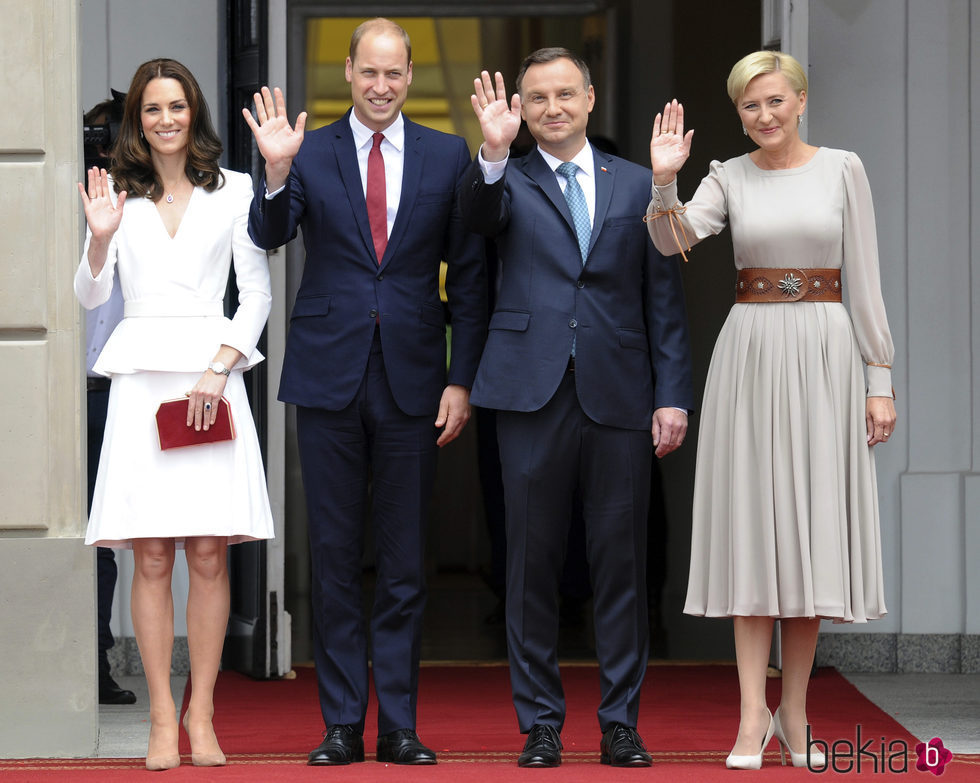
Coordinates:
47 584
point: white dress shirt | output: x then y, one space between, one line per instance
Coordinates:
99 325
493 171
393 152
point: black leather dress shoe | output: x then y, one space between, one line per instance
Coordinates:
342 744
111 693
621 746
542 749
403 746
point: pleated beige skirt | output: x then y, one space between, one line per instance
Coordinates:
785 520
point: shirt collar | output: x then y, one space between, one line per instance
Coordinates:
584 160
363 135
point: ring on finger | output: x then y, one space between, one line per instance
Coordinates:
207 406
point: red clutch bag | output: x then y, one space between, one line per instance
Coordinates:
173 431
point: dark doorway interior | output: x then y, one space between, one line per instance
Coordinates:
642 53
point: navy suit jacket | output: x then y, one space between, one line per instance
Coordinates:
625 306
344 292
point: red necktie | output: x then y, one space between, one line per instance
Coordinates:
377 200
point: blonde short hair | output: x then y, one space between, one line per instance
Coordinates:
765 61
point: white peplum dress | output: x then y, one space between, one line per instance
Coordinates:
785 515
174 322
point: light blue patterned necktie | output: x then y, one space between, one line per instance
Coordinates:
577 206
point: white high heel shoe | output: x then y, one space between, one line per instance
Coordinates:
817 760
751 762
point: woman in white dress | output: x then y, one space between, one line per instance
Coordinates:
785 519
166 228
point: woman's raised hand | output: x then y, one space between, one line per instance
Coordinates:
500 120
277 140
669 145
102 215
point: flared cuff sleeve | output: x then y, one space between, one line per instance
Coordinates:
94 291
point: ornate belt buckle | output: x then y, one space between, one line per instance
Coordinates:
794 285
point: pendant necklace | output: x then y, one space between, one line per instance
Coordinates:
169 198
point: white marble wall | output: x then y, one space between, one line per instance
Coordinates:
891 80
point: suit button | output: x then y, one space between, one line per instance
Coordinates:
381 276
580 284
573 323
373 313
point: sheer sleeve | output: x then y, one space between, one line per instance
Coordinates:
863 278
670 223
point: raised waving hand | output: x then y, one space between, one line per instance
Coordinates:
669 145
103 217
277 140
101 214
500 120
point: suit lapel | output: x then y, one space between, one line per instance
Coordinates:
413 158
350 173
539 171
605 177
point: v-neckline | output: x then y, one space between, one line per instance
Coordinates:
180 223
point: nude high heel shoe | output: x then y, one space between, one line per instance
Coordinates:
205 759
817 760
159 763
755 761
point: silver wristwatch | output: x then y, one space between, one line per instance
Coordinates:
219 368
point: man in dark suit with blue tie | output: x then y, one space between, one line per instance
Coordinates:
365 364
587 357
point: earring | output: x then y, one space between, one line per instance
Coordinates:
744 131
799 120
141 133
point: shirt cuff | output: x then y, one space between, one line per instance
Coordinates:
493 171
269 196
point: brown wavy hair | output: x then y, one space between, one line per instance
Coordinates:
132 167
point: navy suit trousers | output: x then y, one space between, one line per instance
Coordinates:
370 442
545 456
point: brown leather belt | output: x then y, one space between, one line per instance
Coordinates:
759 284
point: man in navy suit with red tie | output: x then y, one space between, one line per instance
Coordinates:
376 198
586 362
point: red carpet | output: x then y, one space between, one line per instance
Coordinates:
688 720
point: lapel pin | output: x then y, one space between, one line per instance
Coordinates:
604 169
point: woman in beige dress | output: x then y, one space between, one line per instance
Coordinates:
785 519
